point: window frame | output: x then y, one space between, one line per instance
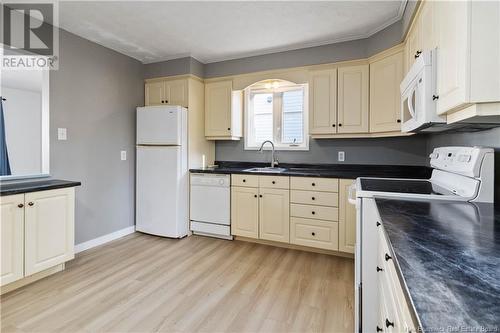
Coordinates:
277 117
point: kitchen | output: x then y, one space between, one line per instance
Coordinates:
273 242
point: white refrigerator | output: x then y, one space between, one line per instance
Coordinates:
162 171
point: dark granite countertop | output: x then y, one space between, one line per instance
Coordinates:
18 186
448 254
349 171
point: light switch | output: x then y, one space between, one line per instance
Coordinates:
62 134
123 155
341 156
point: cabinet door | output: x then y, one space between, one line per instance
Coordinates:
428 26
347 218
323 101
452 54
245 212
176 92
218 108
49 229
11 238
353 99
154 93
385 99
274 215
413 44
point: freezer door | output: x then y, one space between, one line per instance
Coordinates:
161 191
159 125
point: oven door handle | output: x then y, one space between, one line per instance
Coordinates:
350 198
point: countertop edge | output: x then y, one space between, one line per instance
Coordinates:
44 186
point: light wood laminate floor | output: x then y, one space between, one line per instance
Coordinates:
143 283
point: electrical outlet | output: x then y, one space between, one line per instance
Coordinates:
341 156
62 134
123 155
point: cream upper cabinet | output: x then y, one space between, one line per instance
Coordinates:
12 238
323 101
428 25
154 93
386 75
468 58
49 229
167 92
413 44
274 214
245 211
176 92
347 218
223 111
353 99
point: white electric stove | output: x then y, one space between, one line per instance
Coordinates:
459 173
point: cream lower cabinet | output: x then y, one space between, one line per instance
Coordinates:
12 238
347 218
274 214
245 211
37 232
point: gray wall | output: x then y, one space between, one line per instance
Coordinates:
94 94
400 151
489 138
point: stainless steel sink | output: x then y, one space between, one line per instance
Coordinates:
267 169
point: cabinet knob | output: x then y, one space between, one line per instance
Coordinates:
166 101
273 182
20 205
340 125
399 120
378 224
162 102
333 125
388 323
313 212
434 97
417 54
313 184
244 180
379 329
260 195
387 257
229 128
313 198
313 233
255 195
379 269
31 203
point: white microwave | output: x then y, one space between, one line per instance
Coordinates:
418 96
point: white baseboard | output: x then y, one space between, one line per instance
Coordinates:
104 239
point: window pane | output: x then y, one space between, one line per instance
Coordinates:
293 107
263 117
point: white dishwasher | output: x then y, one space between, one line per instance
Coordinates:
210 208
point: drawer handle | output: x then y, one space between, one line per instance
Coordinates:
313 198
388 323
379 269
379 329
378 224
244 180
387 257
313 212
312 233
20 205
30 203
313 184
273 182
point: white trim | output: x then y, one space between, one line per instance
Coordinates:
104 239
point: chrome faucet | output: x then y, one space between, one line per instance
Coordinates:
274 162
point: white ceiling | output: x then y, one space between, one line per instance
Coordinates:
214 31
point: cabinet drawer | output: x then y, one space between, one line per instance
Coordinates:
274 182
314 212
314 184
245 180
314 198
314 233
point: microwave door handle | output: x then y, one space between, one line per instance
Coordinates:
410 106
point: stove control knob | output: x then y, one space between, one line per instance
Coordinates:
434 156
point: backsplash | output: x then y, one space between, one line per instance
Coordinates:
384 151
